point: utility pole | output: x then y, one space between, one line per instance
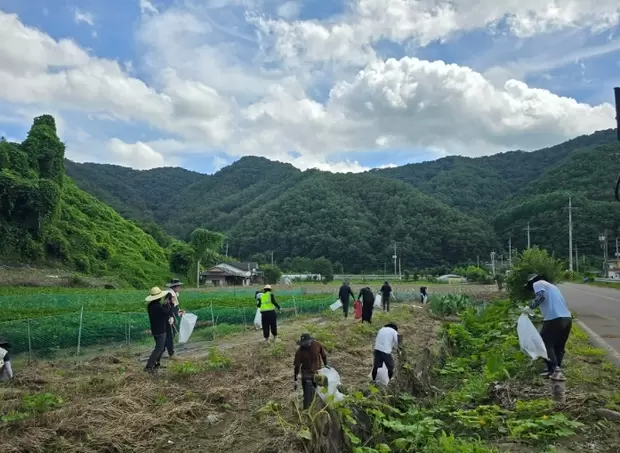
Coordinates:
394 257
478 261
528 235
604 242
577 258
570 233
501 257
400 269
510 252
272 257
493 262
617 252
226 249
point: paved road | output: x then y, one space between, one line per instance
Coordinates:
598 308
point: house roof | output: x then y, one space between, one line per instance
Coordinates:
244 265
226 270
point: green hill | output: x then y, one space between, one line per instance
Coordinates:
425 208
46 219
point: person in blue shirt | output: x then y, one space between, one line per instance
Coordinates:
557 321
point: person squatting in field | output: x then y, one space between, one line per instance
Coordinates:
6 368
267 305
423 294
171 328
159 315
386 294
368 299
557 321
308 360
386 339
344 294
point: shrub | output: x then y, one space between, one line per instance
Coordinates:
532 261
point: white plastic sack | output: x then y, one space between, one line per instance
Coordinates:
258 319
425 299
383 377
333 381
529 339
188 322
377 303
336 305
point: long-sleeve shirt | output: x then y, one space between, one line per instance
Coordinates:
386 291
344 293
366 296
308 360
158 317
550 300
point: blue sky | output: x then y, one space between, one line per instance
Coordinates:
341 86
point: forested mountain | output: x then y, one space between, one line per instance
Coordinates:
45 218
478 185
469 203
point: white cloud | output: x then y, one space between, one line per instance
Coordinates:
289 10
137 155
83 17
147 7
209 92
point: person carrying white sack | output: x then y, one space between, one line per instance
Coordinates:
557 321
387 338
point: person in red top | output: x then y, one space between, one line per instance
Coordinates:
308 360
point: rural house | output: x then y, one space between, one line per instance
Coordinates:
232 274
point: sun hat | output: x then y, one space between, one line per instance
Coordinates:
267 287
156 293
305 340
530 279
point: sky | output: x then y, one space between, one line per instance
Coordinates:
329 84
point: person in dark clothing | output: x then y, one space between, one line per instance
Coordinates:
423 295
343 294
171 328
386 294
267 305
308 360
158 317
368 301
6 369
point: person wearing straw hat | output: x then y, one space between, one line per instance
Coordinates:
174 286
267 305
158 317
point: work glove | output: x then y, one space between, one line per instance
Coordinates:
294 386
527 310
181 312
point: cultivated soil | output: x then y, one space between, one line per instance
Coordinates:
206 401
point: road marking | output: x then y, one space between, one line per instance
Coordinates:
594 294
597 341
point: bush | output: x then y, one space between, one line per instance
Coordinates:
272 274
532 261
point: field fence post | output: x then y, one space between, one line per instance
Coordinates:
212 320
79 341
29 342
129 329
245 325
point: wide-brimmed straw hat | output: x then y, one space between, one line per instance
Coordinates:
156 293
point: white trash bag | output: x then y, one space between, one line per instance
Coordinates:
383 377
333 381
336 305
529 339
188 322
378 302
258 319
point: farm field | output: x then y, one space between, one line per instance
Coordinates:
461 386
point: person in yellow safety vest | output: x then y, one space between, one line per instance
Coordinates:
267 305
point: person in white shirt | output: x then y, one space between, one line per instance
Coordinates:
387 338
557 321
